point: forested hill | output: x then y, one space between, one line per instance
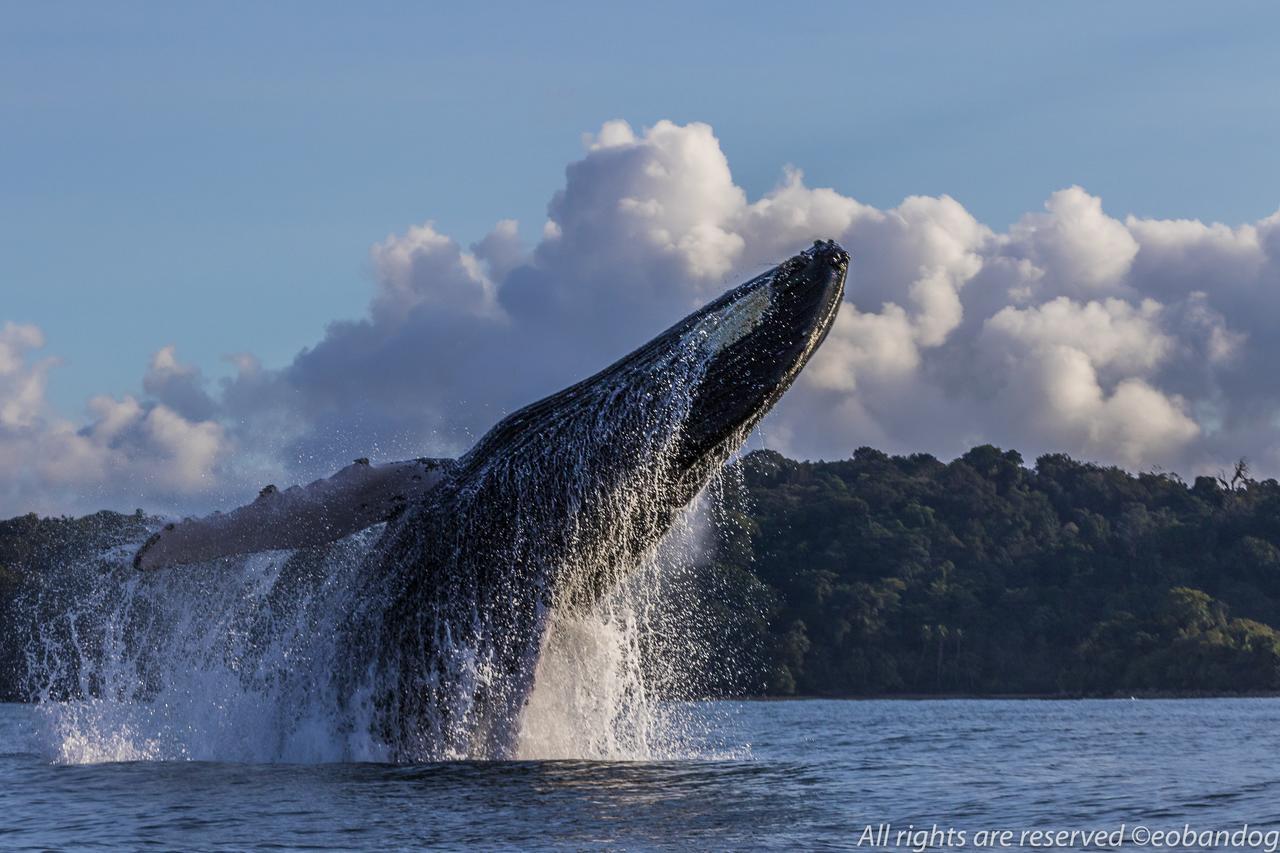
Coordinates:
888 574
892 574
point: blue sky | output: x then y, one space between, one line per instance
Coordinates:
214 175
1029 191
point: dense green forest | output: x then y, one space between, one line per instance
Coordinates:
906 575
891 574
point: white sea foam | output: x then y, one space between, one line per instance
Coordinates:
204 664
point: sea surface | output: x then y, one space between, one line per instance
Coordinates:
806 775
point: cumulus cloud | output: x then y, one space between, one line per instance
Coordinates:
1142 342
1056 394
130 451
1074 244
423 268
1110 333
21 385
179 386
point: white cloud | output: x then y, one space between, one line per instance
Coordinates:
1178 255
1074 243
177 385
423 267
129 451
1135 424
1137 341
876 346
501 250
659 201
21 385
1111 333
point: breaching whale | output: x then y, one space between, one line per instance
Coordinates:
548 510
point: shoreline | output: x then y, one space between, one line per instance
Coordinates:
1027 697
936 697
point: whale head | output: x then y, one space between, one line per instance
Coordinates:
756 339
725 365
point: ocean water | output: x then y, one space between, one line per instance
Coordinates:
783 775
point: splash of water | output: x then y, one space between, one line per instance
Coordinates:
250 659
619 680
235 661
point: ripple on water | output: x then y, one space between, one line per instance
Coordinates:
819 772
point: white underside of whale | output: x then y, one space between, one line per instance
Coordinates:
717 332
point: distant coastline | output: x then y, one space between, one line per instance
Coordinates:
1009 697
904 577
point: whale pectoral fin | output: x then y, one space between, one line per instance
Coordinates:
354 498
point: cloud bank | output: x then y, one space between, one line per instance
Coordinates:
1142 342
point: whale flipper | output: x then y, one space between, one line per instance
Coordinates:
358 496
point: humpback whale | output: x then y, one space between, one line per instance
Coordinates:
549 510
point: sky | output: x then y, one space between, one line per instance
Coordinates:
216 263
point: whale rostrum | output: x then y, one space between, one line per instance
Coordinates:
550 509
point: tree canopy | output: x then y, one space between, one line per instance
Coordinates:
904 574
